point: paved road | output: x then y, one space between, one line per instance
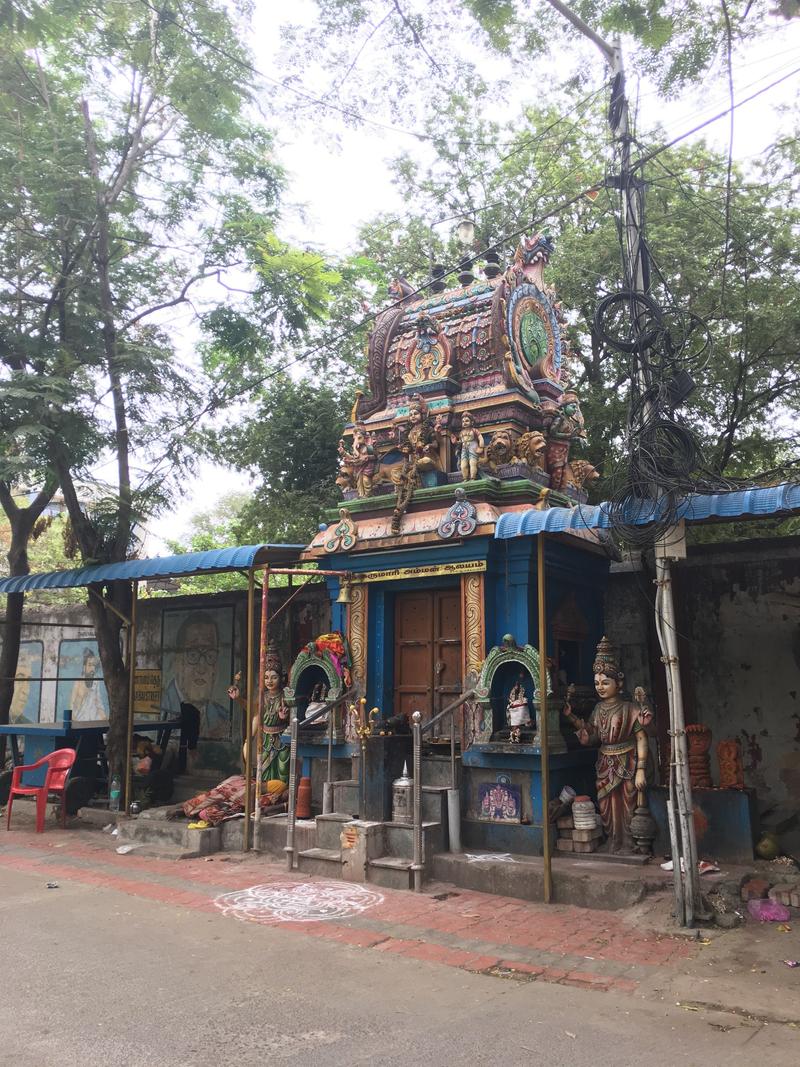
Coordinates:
96 975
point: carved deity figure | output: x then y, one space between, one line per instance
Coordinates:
618 726
471 447
419 444
358 466
565 428
518 712
275 716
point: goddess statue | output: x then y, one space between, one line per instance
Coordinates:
419 445
275 715
619 727
357 467
518 712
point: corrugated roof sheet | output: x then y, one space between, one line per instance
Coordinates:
216 560
698 507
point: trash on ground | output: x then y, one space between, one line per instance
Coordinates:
125 849
704 867
768 911
109 828
792 963
115 831
53 885
785 928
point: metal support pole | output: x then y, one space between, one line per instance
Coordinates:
262 668
417 866
289 850
544 740
248 711
131 685
327 791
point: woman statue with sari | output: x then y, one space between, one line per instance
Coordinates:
618 726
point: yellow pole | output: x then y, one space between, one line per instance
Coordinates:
248 712
131 684
543 738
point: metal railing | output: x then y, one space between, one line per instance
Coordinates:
327 708
418 728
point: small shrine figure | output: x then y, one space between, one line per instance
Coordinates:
518 712
619 727
471 447
358 466
565 427
275 716
419 444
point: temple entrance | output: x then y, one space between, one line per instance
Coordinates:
427 654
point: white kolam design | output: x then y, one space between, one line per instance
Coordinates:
305 902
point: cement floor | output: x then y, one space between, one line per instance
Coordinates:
130 961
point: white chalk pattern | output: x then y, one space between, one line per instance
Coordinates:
305 902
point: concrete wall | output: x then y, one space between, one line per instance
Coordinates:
57 642
738 618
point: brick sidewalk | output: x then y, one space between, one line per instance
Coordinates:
498 936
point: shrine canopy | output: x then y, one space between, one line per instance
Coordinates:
214 561
774 500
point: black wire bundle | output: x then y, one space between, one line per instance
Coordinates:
663 461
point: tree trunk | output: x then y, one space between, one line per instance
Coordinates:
22 521
108 629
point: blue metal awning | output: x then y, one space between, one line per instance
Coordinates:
215 561
697 507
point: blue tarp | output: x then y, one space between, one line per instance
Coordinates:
697 507
237 558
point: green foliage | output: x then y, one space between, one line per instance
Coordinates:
212 529
288 442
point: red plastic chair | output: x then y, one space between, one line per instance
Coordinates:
59 764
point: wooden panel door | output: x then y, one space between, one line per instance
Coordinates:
446 652
427 655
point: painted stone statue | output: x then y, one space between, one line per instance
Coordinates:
419 444
618 726
471 447
358 466
518 712
565 428
274 755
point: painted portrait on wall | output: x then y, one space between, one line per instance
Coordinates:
80 681
196 664
27 697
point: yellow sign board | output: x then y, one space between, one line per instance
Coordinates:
147 693
434 570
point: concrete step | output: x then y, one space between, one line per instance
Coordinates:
399 838
436 770
326 862
329 828
390 872
157 835
434 803
345 797
596 884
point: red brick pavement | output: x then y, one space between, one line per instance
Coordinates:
473 931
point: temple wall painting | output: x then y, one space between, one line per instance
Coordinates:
80 681
197 666
194 640
27 698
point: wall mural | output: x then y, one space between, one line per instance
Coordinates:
196 667
80 681
27 698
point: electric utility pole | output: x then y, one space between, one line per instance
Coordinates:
637 281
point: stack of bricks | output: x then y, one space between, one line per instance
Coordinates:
572 840
787 893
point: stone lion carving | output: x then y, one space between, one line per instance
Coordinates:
530 449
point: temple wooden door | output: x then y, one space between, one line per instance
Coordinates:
427 654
